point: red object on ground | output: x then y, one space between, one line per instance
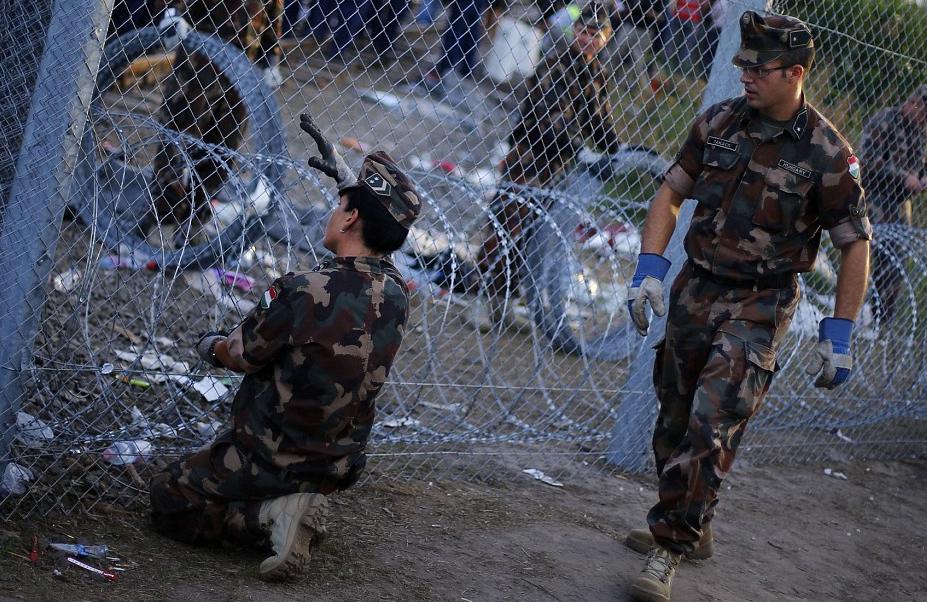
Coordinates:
34 552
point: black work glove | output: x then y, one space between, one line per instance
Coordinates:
330 162
206 347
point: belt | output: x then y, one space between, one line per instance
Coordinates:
769 281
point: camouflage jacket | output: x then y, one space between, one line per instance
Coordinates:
766 191
567 105
319 347
893 148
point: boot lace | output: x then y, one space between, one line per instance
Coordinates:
661 563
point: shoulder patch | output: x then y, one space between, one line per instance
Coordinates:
268 297
853 166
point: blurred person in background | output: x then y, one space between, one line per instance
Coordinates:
200 101
893 148
459 44
567 105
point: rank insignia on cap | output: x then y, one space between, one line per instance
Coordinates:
268 297
853 166
377 184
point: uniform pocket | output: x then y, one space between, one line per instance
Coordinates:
782 202
717 173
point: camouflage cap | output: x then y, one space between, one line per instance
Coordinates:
764 39
381 177
595 15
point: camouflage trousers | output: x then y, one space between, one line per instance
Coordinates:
215 495
711 373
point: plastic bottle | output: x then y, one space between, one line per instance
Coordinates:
80 550
127 452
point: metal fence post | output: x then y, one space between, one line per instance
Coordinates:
630 444
33 211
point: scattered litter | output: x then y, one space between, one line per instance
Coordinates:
32 432
208 430
121 453
239 281
398 422
152 360
111 577
106 368
208 282
542 477
65 282
80 550
835 474
620 238
135 382
425 107
34 552
15 479
165 342
125 259
843 437
210 388
252 257
449 407
149 430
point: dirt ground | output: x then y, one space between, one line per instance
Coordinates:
782 533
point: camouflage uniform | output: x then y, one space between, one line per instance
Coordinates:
321 344
893 147
765 193
567 105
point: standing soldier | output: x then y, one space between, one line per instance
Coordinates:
567 105
315 353
769 173
893 147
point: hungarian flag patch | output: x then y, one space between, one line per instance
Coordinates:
853 166
268 297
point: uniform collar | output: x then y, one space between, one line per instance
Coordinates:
374 265
797 126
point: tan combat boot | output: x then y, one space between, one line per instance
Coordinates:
655 583
641 540
294 522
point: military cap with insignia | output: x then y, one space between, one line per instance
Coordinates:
764 39
386 183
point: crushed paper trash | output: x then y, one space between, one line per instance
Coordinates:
32 432
398 422
127 452
210 388
149 430
837 475
209 430
542 477
15 479
67 281
208 282
842 437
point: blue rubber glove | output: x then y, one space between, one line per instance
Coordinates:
832 354
647 286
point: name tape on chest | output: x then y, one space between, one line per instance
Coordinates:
722 143
796 169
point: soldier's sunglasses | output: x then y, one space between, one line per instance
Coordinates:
762 72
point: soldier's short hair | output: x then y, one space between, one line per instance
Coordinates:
379 229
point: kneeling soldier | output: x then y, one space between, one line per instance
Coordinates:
315 353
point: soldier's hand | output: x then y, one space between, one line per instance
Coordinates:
831 357
206 347
330 161
646 288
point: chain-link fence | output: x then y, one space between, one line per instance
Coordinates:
184 192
